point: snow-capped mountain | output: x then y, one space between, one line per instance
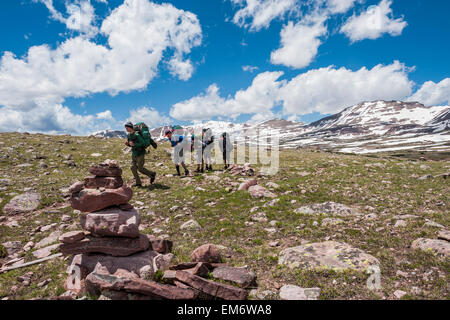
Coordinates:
380 126
109 134
363 128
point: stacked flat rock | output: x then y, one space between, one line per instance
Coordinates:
112 223
113 260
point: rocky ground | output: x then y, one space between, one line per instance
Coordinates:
315 230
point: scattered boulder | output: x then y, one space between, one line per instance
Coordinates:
162 261
260 192
329 255
12 247
239 276
440 248
190 225
329 208
331 222
160 245
433 224
53 237
272 185
100 280
206 253
211 288
247 184
245 170
399 294
291 292
400 224
45 252
26 278
444 235
22 203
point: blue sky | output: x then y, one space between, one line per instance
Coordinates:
305 59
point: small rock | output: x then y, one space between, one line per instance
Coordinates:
291 292
444 235
399 294
433 224
190 225
72 237
400 223
206 253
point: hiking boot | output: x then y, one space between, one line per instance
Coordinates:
152 178
186 173
137 185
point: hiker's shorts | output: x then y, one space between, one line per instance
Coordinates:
178 154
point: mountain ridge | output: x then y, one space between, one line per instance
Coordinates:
370 126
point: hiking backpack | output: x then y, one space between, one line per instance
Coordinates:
143 130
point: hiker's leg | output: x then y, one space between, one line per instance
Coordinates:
134 170
178 169
140 164
186 171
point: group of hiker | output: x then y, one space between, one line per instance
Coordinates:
139 139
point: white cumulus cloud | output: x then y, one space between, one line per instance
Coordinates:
373 23
260 96
150 116
139 34
431 93
80 16
299 42
324 90
261 12
329 90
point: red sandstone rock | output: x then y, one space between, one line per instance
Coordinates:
76 187
206 253
72 236
118 247
102 170
211 288
94 182
133 263
160 245
239 276
98 281
90 200
112 222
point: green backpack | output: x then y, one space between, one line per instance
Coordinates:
143 130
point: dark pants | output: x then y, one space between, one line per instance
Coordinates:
138 165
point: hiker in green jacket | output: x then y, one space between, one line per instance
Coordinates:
137 144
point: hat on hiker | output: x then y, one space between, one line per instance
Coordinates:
168 132
129 124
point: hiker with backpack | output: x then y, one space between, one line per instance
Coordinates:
207 139
139 139
226 146
178 143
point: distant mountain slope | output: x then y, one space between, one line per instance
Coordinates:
363 128
110 134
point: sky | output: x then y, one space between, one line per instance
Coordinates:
78 66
